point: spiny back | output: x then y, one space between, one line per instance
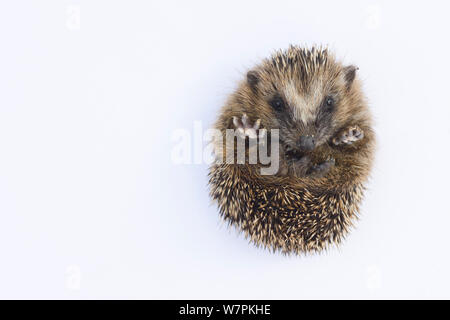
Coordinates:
305 62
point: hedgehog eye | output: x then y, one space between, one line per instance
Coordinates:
277 103
329 103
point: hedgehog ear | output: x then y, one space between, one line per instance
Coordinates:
349 75
252 79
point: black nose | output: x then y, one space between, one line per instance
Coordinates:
306 143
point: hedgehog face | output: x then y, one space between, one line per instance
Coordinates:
308 117
307 95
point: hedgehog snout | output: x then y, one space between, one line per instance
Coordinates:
306 143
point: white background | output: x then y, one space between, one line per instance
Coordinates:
92 206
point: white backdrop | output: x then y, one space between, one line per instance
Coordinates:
92 205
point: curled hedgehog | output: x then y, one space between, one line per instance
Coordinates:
325 150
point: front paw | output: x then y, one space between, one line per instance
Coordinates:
321 169
245 127
348 136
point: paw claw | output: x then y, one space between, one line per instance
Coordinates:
257 124
236 122
251 133
262 133
349 136
246 128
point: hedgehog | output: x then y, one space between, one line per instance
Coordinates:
325 148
